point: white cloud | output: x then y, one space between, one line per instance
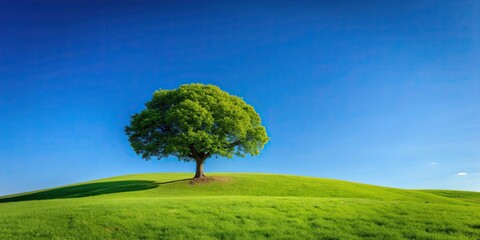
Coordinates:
461 173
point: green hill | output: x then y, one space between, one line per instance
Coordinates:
233 206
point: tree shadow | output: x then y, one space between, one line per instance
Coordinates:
88 189
85 190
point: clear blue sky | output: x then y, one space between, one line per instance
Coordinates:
384 92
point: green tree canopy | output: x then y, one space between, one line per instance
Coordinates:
195 122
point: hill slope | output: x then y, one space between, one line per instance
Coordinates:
148 206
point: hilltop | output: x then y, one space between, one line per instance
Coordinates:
168 205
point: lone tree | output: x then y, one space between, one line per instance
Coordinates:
195 122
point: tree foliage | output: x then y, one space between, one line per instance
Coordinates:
195 122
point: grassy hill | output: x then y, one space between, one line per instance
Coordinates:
233 206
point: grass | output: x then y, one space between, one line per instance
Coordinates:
238 206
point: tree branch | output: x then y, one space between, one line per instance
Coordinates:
194 152
236 143
198 155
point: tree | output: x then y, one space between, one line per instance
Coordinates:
194 123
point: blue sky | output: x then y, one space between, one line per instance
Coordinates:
380 92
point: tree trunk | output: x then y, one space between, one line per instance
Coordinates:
199 170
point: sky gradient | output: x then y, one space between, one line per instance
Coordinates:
379 92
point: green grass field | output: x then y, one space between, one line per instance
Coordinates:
238 206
